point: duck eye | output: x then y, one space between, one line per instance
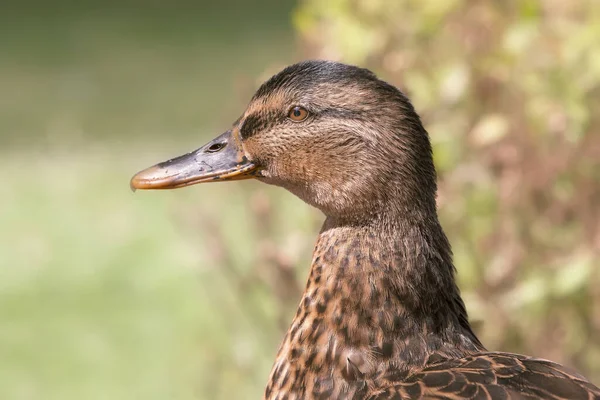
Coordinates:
298 114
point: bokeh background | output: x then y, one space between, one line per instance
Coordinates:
107 294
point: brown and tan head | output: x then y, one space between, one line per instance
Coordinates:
333 134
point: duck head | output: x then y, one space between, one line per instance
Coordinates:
333 134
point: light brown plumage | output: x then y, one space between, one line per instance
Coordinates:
381 316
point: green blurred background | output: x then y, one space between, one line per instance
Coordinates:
106 294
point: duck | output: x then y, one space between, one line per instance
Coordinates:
381 316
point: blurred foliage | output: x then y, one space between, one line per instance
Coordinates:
509 92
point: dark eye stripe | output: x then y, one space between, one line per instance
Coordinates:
252 124
257 122
260 121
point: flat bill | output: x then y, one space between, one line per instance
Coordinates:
221 159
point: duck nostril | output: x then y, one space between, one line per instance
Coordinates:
216 147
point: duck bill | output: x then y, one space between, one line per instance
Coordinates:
221 159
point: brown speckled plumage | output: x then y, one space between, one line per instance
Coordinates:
381 316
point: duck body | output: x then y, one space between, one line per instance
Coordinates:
395 337
381 316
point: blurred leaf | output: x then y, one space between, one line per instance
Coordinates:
490 129
574 276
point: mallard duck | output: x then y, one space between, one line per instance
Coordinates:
381 316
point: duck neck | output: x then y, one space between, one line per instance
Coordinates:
380 297
391 277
